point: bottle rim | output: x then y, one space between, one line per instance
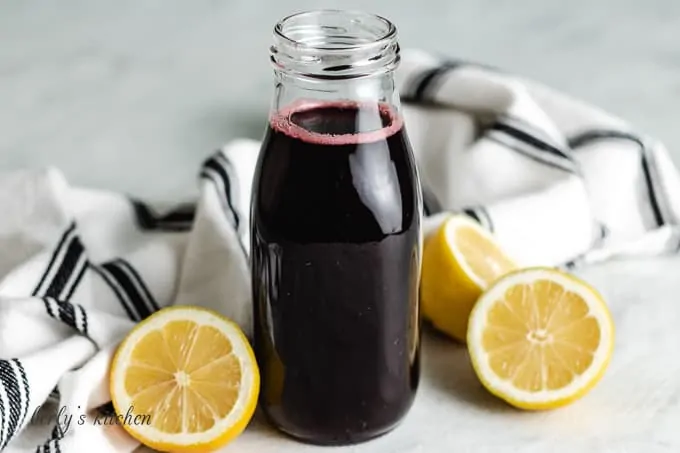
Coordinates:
389 34
334 43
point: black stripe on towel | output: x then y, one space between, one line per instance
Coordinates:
536 131
57 431
130 289
10 406
76 278
651 190
64 241
423 86
24 384
55 394
107 410
525 132
70 271
486 218
571 265
536 156
179 219
481 215
73 315
541 150
65 312
139 283
588 137
51 446
217 169
14 399
65 269
471 213
605 232
85 327
122 297
426 83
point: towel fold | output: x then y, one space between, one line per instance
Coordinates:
559 182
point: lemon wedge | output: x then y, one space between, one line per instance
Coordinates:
460 260
190 376
539 338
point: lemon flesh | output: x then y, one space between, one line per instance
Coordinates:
190 375
539 338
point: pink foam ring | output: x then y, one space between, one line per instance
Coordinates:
281 121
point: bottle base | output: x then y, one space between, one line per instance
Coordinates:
345 439
336 442
327 439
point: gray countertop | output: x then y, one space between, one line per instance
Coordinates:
634 409
131 95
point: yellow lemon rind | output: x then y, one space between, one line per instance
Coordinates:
230 427
443 303
545 399
449 231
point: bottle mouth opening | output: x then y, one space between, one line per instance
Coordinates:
334 44
335 30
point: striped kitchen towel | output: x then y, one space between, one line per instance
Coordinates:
78 269
559 182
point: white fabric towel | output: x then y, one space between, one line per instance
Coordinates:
556 180
559 182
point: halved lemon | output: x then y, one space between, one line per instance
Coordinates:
540 338
188 379
460 261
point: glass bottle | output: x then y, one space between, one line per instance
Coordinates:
336 234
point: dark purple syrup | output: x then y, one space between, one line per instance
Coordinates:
336 258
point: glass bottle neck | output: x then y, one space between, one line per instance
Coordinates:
295 92
333 57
